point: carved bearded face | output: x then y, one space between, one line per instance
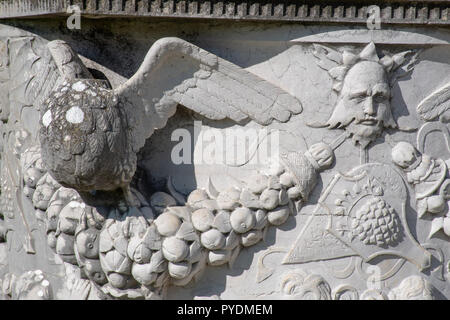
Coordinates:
363 106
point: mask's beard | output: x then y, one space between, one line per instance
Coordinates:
364 134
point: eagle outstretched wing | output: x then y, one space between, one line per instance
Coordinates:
37 68
178 72
436 105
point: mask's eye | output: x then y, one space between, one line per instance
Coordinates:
380 97
358 98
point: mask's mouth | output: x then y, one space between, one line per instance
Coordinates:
368 121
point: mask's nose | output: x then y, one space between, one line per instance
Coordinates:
368 106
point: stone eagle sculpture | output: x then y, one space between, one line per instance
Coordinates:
90 134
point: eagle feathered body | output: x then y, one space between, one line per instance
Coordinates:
83 139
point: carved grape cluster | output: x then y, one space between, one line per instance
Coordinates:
377 223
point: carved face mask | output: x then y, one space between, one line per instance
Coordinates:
363 106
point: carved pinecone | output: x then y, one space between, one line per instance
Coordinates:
376 223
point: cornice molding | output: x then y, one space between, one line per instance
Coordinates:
424 12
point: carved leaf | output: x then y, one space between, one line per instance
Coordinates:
234 255
212 191
403 64
152 238
436 225
446 226
106 242
157 262
182 212
328 58
421 207
338 73
121 244
187 232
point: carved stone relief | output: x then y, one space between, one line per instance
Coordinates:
354 203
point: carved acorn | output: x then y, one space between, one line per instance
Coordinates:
302 169
300 173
